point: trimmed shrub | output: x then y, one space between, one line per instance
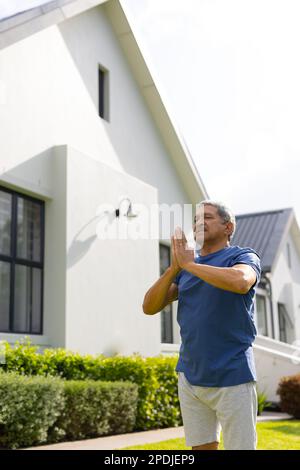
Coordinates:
156 378
96 409
28 407
289 393
165 408
36 410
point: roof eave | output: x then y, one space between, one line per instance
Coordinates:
29 22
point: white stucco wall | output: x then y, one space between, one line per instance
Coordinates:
50 82
106 279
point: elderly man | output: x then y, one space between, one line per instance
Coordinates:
216 371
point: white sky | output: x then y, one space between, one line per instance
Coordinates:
11 7
231 69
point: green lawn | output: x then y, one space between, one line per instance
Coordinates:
272 435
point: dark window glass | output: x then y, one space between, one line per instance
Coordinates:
167 312
27 302
282 323
4 295
261 315
103 93
5 222
29 230
21 263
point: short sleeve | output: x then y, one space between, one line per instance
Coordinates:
250 257
176 279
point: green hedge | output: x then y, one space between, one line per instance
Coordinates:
35 410
29 406
158 404
96 409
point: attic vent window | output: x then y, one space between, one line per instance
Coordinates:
103 93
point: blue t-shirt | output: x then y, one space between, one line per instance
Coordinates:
217 326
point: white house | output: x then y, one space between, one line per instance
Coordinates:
82 124
275 235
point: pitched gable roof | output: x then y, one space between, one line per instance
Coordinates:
25 24
264 232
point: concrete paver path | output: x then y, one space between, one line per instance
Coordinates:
139 438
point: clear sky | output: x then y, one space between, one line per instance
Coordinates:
231 72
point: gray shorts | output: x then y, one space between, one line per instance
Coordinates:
207 410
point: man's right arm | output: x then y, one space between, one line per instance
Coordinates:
163 292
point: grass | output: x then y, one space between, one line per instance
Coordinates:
272 435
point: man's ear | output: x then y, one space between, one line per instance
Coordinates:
229 228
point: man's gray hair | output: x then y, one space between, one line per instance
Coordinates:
224 212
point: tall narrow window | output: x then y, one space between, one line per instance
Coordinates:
286 324
261 315
167 312
103 93
21 263
282 324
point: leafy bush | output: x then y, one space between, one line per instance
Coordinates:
28 407
96 409
35 410
156 378
262 402
165 402
289 393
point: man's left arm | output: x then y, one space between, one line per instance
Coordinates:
238 278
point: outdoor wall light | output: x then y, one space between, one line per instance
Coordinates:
116 213
129 213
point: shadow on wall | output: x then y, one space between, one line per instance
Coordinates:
80 247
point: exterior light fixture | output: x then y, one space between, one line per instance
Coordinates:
129 213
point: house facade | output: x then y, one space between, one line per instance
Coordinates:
275 235
85 131
83 125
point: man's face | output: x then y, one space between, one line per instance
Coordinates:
208 225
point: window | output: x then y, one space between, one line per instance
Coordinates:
261 315
103 93
167 312
21 263
282 323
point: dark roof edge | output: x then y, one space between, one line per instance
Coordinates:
252 214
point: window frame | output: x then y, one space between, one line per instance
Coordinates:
285 324
14 260
264 299
103 93
166 315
